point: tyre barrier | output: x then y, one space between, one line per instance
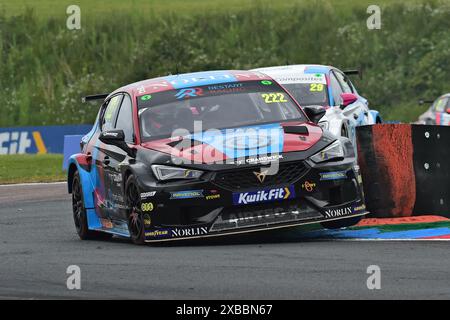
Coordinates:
405 169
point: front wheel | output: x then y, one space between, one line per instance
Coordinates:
135 217
79 213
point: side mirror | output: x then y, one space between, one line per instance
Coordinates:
116 138
314 113
348 98
447 110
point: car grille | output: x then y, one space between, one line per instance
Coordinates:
238 180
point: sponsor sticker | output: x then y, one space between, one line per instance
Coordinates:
212 197
225 88
147 220
189 232
106 223
189 194
146 207
335 175
265 195
339 212
161 233
146 97
309 186
188 93
306 79
258 160
361 207
147 194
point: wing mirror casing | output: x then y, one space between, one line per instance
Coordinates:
348 98
314 113
116 138
112 137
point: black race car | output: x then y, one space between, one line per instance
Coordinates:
208 154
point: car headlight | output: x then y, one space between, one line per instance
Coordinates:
324 124
163 173
333 152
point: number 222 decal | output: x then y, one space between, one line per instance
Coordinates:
273 97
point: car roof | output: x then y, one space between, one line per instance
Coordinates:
300 73
188 80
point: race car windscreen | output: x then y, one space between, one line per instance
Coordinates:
217 106
308 94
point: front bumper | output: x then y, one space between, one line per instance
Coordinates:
235 201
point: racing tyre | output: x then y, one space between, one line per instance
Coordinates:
341 223
79 213
135 217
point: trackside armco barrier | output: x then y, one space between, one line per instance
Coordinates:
43 139
405 169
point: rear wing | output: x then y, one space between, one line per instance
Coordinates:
94 97
424 101
352 72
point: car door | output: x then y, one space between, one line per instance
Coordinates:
440 111
446 114
358 110
116 156
106 160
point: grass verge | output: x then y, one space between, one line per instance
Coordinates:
31 168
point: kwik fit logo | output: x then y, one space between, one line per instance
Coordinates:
264 195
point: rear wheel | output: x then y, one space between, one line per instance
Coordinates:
341 223
79 213
135 217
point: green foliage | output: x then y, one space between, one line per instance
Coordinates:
45 68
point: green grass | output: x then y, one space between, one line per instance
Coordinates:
90 8
31 168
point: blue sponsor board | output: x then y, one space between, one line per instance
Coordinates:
186 194
41 140
335 175
264 195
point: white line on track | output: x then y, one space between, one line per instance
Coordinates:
32 184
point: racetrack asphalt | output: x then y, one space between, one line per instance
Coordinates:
38 242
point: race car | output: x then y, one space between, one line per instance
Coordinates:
438 113
328 87
208 154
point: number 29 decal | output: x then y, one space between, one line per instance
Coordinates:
274 97
316 87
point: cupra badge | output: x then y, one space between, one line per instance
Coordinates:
261 176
